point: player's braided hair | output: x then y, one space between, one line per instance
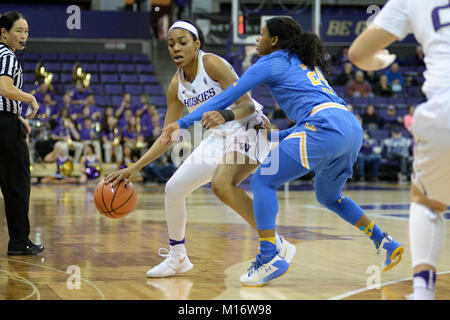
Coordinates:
309 47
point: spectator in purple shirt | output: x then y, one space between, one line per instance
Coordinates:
43 89
80 94
89 136
111 139
370 154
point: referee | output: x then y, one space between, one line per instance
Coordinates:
14 155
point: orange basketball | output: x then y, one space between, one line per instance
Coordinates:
115 202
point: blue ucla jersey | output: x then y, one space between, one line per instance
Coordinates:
295 87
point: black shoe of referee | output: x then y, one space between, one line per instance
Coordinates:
25 250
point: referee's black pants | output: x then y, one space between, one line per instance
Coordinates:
15 178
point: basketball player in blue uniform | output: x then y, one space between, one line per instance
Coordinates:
326 139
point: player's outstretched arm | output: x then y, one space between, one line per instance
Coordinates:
174 112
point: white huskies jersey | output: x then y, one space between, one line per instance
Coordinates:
429 21
203 88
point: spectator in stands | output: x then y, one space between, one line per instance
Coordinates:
391 119
394 73
372 77
111 140
130 134
370 119
126 104
123 121
43 89
143 106
359 87
94 111
146 126
383 89
352 110
160 170
67 135
66 102
397 150
107 111
89 136
80 93
370 154
130 156
47 109
342 57
396 87
408 118
346 76
417 58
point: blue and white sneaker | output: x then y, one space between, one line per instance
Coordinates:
394 252
259 273
286 249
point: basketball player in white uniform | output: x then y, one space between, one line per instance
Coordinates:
429 21
201 76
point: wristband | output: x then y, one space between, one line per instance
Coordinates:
228 115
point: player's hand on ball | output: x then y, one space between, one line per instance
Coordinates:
212 119
170 133
126 174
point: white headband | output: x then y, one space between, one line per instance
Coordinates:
184 25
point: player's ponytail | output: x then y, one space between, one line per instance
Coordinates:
309 48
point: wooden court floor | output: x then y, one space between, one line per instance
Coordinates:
88 256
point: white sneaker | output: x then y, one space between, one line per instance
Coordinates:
286 249
172 264
259 273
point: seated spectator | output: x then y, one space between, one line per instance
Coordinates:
94 111
160 170
89 136
80 93
398 149
144 105
418 58
383 89
394 73
408 118
397 88
43 90
346 76
123 121
111 140
342 57
372 77
370 119
391 119
107 111
67 135
67 102
359 87
90 166
47 109
126 104
370 154
130 156
352 110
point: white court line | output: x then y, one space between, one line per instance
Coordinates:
351 293
102 296
28 282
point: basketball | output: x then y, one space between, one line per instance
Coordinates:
115 202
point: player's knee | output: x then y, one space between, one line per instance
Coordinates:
171 188
326 200
220 188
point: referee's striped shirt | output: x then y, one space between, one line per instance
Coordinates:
10 66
